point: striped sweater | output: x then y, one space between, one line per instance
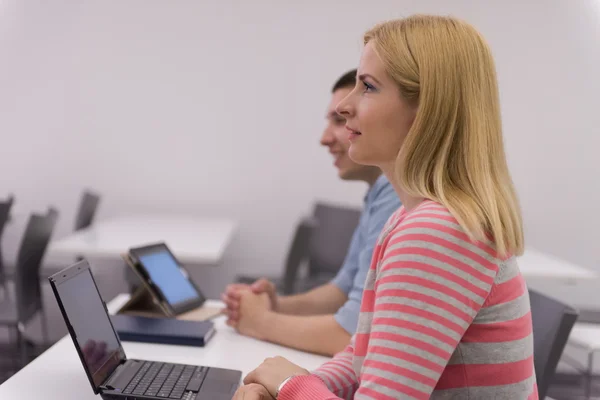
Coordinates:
442 317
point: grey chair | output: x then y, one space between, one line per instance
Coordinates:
5 207
16 313
321 242
87 210
330 240
552 324
88 206
297 253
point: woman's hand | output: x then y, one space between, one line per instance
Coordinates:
253 391
272 372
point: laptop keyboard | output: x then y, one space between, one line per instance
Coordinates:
170 381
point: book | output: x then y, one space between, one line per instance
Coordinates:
163 330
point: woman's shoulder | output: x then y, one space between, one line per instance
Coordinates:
433 223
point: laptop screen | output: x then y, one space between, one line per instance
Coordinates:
95 337
164 271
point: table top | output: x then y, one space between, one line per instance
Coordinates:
193 240
586 335
535 264
58 373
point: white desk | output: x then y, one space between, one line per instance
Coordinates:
535 264
58 374
586 337
193 240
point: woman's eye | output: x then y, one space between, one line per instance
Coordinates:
368 87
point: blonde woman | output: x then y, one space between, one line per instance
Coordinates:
445 311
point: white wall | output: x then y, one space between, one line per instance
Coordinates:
216 107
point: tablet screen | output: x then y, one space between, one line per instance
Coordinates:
164 271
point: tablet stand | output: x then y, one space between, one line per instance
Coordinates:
144 303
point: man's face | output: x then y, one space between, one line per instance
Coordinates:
335 137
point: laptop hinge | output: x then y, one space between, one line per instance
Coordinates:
112 382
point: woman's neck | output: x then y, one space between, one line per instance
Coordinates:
409 202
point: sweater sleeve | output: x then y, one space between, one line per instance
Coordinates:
430 284
333 380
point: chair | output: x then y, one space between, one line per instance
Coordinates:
322 241
28 295
87 210
330 240
5 207
552 324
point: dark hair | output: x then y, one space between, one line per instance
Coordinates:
346 80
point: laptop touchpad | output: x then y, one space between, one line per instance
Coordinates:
213 396
213 386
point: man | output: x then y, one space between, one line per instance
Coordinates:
324 319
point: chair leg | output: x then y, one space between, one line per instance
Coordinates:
22 346
16 342
590 376
44 321
6 291
14 356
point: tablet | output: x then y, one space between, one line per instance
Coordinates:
167 278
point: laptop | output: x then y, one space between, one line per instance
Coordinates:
110 372
166 289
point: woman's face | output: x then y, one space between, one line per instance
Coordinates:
378 118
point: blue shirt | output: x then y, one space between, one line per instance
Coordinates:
380 202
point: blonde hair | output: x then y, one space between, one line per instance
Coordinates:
454 153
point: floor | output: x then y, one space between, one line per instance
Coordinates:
567 386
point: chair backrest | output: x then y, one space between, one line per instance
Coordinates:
31 252
87 210
331 237
297 254
552 324
5 207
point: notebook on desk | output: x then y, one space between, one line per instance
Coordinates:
134 328
110 372
166 290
